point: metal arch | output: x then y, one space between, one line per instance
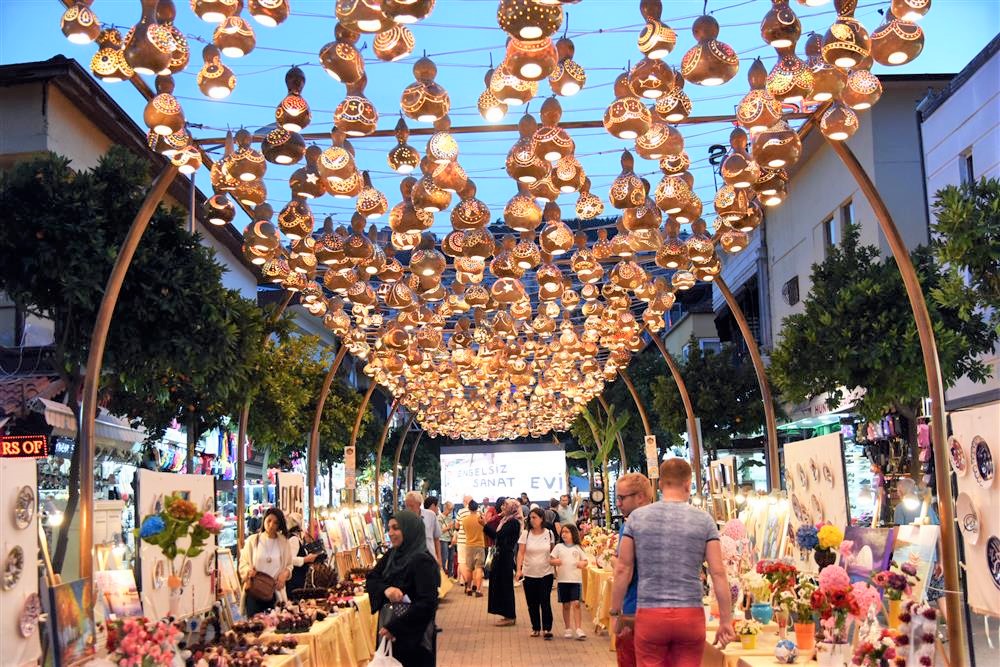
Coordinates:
357 421
773 468
381 443
627 379
324 393
395 460
409 467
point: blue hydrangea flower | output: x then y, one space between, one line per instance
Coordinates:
807 537
151 526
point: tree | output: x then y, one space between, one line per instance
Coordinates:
644 369
966 243
858 331
724 393
173 322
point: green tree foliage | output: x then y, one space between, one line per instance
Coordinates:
724 393
967 244
175 330
858 331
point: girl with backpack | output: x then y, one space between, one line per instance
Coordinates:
534 569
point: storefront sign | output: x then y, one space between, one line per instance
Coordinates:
24 446
291 492
652 458
350 471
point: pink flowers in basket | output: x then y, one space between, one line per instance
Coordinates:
139 642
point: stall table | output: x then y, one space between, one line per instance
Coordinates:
734 654
299 658
344 639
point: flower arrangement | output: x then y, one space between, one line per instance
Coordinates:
797 601
758 586
806 537
919 622
601 544
829 537
875 647
747 627
139 642
898 580
835 603
179 519
779 574
867 598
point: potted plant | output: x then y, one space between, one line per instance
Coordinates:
748 629
757 586
835 604
896 582
797 601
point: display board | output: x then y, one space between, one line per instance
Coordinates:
507 469
197 593
291 492
814 478
19 548
973 450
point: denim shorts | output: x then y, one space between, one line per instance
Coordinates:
568 592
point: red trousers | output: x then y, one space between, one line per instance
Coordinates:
669 637
625 642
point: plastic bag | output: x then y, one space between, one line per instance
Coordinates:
383 655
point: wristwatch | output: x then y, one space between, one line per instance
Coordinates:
615 612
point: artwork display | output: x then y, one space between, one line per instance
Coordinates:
871 551
774 539
117 591
71 613
815 479
917 544
19 594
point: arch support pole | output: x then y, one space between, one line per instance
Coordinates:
957 648
324 393
357 425
395 461
381 444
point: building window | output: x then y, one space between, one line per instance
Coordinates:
966 170
10 323
846 218
706 345
830 235
790 291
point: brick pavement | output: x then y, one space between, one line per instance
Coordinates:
469 638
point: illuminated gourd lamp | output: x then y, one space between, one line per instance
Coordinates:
567 175
109 64
250 193
651 79
478 244
738 169
675 106
522 164
790 80
862 90
293 113
371 202
427 261
732 204
776 147
707 271
268 13
569 77
846 43
531 59
296 219
394 43
838 122
407 11
166 12
527 19
556 237
671 193
588 205
521 213
362 15
690 204
626 117
552 142
771 190
261 233
710 62
780 28
403 158
659 141
187 160
526 253
657 39
896 42
910 10
356 116
733 241
219 210
510 88
758 110
449 176
441 146
683 279
163 113
453 243
336 163
358 247
148 45
247 164
427 196
345 188
79 23
307 181
234 36
673 252
404 218
470 213
627 190
215 79
425 100
828 80
215 11
341 58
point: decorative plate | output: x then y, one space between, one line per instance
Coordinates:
186 573
968 518
993 558
957 457
790 483
13 567
208 505
160 574
210 565
814 469
801 513
28 622
803 478
982 462
817 508
24 507
828 474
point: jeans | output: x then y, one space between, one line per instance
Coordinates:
446 559
670 637
538 595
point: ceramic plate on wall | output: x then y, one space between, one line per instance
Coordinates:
983 466
160 573
803 478
24 507
828 474
13 567
817 508
814 469
968 518
956 454
993 558
28 622
801 513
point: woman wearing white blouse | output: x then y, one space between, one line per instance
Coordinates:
269 552
534 569
300 558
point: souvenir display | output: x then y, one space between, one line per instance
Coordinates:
159 573
27 622
957 457
968 518
24 507
801 513
982 462
993 558
13 567
817 465
817 509
803 479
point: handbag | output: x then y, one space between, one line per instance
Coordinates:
491 554
383 655
393 610
316 547
262 587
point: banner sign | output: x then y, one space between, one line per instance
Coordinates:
291 492
24 446
503 470
350 468
652 459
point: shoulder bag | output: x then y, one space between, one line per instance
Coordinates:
262 585
393 610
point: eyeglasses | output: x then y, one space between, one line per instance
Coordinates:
627 495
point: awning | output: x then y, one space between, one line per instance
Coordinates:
108 429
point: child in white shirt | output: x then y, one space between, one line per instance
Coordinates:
570 560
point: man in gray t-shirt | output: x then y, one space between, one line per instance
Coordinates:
669 541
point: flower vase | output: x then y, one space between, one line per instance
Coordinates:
805 636
713 606
832 655
824 557
174 584
762 612
892 613
781 618
749 642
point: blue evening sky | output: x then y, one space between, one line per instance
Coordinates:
461 35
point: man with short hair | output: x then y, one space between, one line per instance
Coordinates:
669 541
458 538
552 516
632 491
525 505
568 511
475 549
414 501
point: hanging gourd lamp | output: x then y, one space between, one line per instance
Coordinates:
214 11
551 141
247 164
307 181
280 146
521 213
683 280
371 202
733 241
79 23
526 253
234 36
425 100
675 106
215 79
509 88
828 80
163 113
187 160
910 10
219 176
329 246
168 145
358 247
710 62
356 116
407 11
345 188
268 13
219 210
896 42
771 188
251 193
758 110
738 169
296 219
522 164
846 43
532 59
340 58
569 77
362 15
556 237
790 80
470 213
862 90
671 193
403 158
337 162
404 218
394 43
567 175
148 45
651 79
627 190
527 19
657 39
166 12
691 206
589 205
659 141
427 196
478 244
627 117
453 243
427 261
780 28
643 217
109 64
442 147
583 263
776 147
260 233
673 251
707 271
293 112
838 122
449 176
732 204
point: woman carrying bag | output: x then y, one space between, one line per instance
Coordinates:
265 563
505 536
404 591
301 558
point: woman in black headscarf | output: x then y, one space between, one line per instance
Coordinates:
408 571
505 536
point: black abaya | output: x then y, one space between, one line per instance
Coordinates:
501 590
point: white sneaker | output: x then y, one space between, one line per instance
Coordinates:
580 634
568 634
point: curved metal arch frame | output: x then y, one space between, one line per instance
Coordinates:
324 393
395 459
381 445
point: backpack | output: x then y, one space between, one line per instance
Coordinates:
550 519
